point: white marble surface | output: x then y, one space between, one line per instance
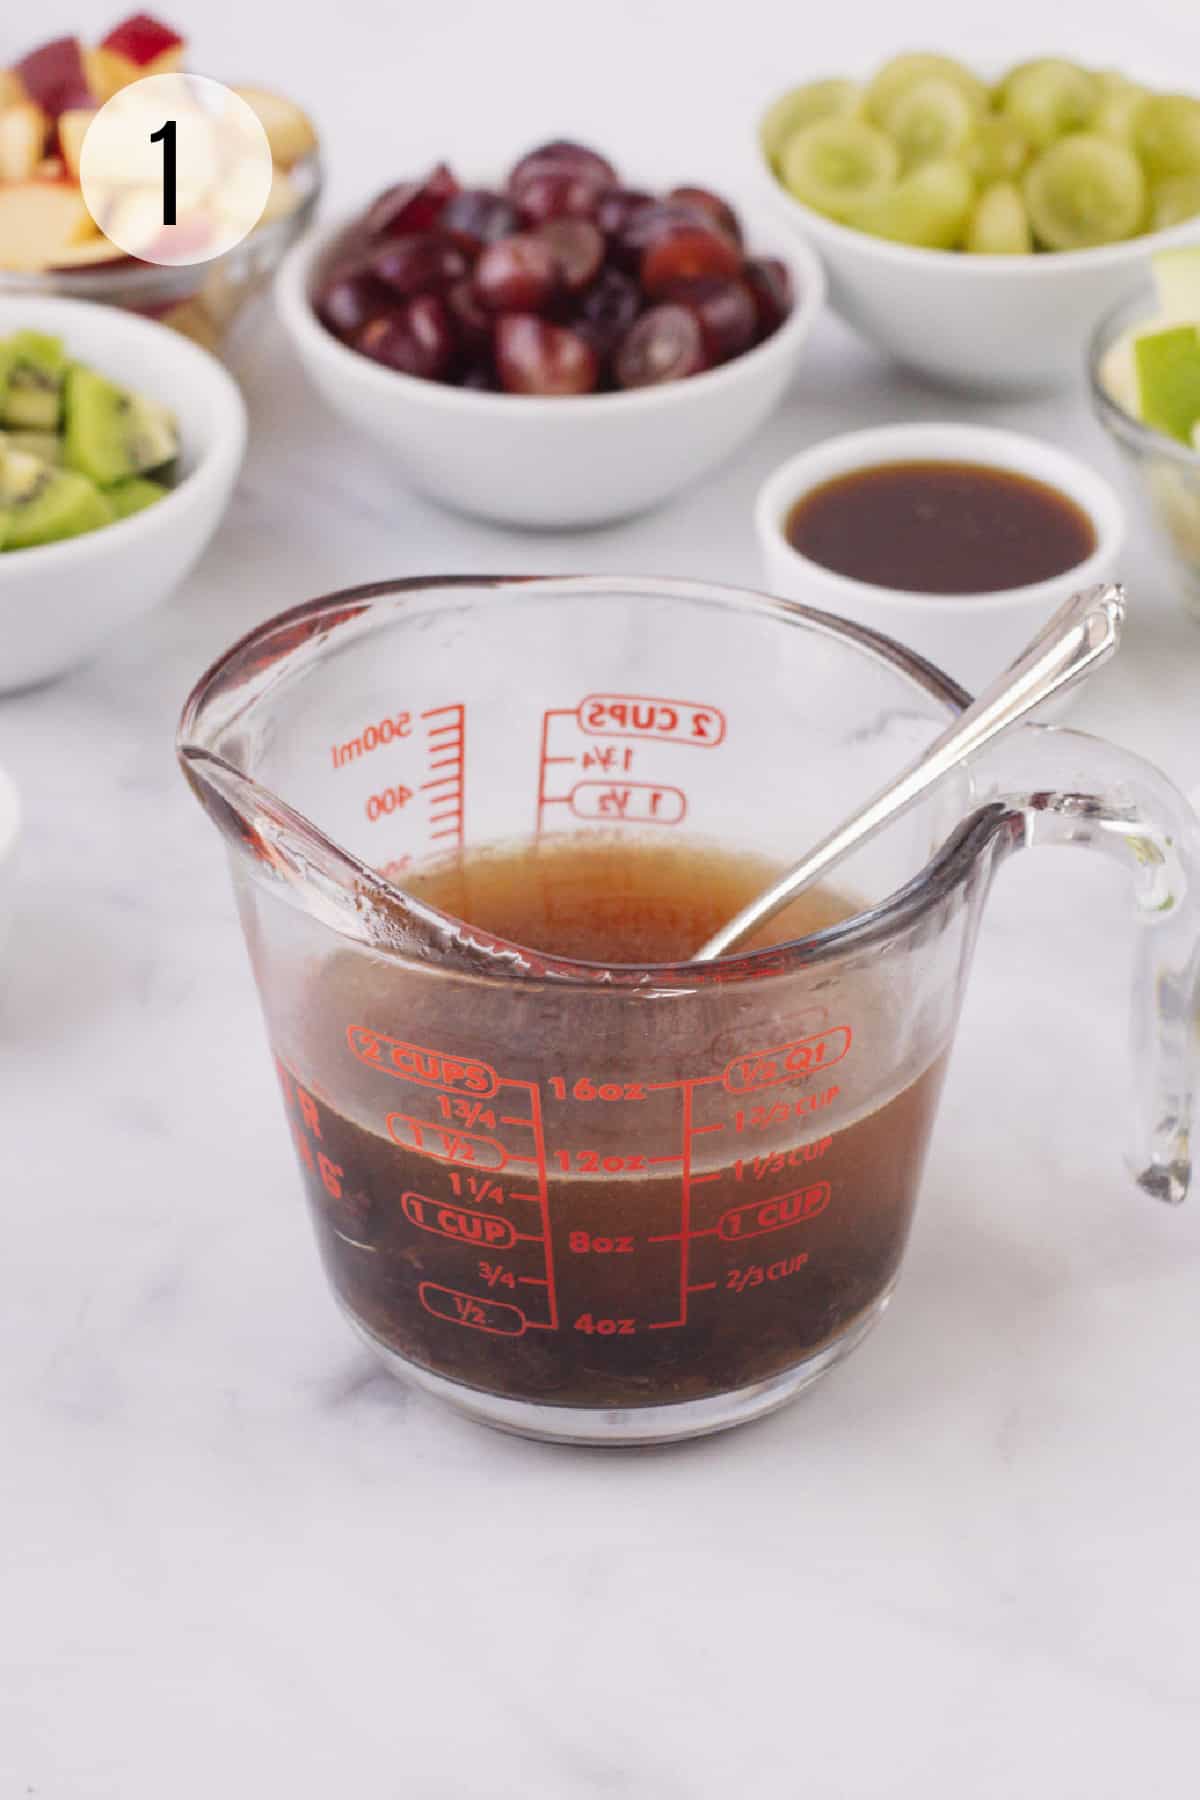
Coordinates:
236 1559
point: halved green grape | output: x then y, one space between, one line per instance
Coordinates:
1048 98
1166 135
1085 190
930 207
1174 200
903 72
803 106
931 118
1000 88
997 150
839 165
999 225
1116 111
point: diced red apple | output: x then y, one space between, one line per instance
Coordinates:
72 129
107 73
54 75
39 221
22 140
289 130
152 47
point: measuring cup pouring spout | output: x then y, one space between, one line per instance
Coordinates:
629 1203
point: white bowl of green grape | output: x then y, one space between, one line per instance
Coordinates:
119 445
976 229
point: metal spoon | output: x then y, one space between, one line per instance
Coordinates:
1081 635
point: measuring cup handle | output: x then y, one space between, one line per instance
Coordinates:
1093 794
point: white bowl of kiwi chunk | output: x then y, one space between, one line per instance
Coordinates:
119 445
976 229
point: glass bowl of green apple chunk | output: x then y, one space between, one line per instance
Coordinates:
1144 365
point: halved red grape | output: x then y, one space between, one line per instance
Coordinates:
477 216
411 205
415 338
347 301
726 310
533 357
686 253
561 156
606 311
558 194
578 250
423 264
665 344
517 274
770 282
714 208
616 207
472 321
646 224
480 378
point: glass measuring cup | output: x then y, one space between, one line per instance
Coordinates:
632 1204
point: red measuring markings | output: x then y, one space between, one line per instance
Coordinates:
636 802
784 1062
446 734
446 1143
460 1222
473 1310
643 730
375 736
414 1062
740 1281
414 778
757 1217
479 1211
642 715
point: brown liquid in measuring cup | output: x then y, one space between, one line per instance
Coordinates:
638 1207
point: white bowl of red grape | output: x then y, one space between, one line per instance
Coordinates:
561 351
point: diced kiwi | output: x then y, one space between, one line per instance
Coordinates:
134 495
43 504
36 365
46 445
112 433
1168 372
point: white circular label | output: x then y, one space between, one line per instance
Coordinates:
175 169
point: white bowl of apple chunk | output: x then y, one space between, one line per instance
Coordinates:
120 442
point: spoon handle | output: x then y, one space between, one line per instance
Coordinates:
1080 636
